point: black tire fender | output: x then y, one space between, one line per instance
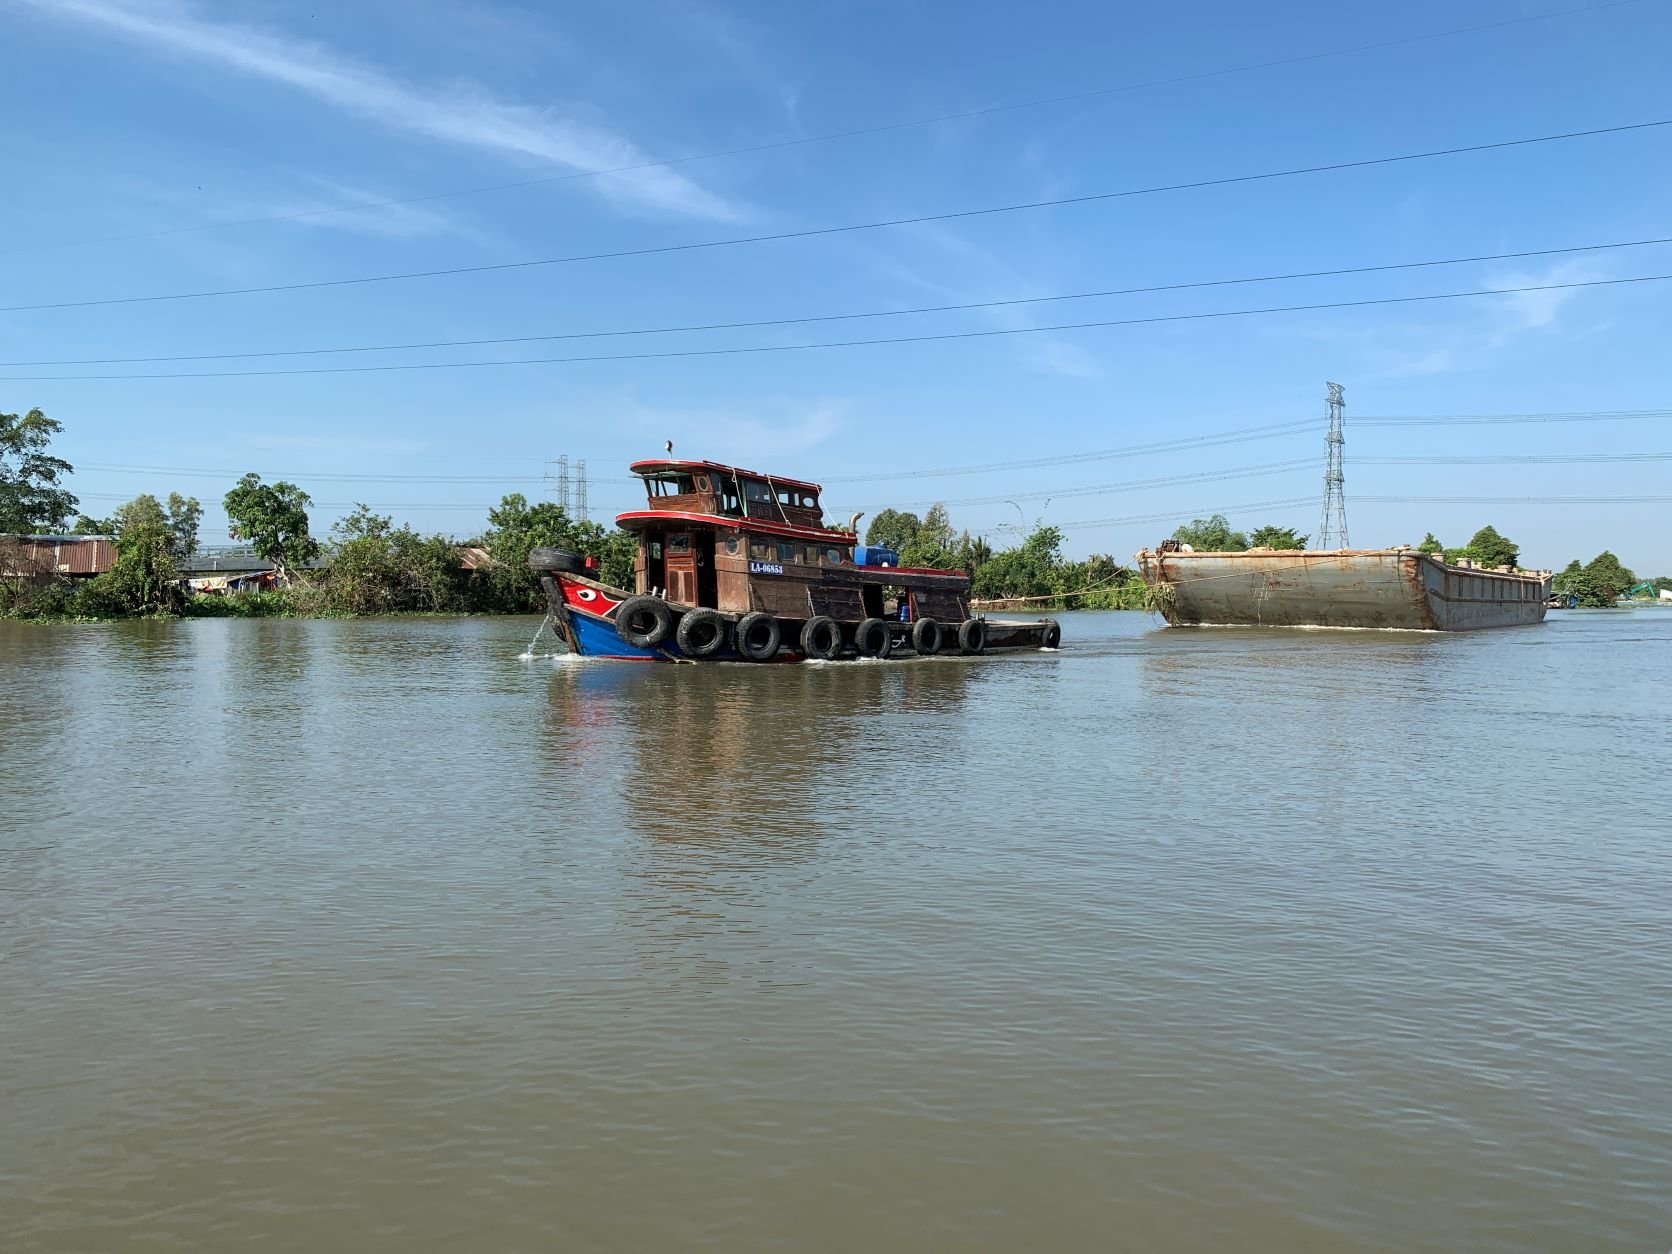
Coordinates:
873 638
972 635
701 633
758 636
821 638
643 621
927 637
1051 638
544 558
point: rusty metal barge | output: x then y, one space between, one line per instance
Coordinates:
735 565
1392 589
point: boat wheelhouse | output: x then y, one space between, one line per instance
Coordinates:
733 564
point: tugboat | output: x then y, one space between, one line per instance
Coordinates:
734 565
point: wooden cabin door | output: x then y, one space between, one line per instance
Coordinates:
680 563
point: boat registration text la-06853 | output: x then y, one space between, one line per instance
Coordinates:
766 568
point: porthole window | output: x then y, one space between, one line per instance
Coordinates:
733 544
833 556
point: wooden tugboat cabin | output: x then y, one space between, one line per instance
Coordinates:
738 541
736 564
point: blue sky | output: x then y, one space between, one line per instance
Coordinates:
129 118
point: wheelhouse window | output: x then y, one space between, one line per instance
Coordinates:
669 483
786 551
797 498
760 549
679 543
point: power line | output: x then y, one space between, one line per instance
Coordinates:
1096 489
849 133
849 317
1466 420
814 232
1295 502
796 348
1515 459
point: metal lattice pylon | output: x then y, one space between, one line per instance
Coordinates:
1332 528
581 511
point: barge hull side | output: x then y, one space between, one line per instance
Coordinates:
1398 590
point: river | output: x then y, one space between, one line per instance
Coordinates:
375 936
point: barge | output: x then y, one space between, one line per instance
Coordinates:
734 565
1398 589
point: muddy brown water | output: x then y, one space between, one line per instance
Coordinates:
367 936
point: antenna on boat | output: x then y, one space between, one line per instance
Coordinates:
1332 528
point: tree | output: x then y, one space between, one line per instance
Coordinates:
1272 536
1663 583
1431 545
1597 584
144 578
31 495
934 541
894 529
516 527
184 515
1488 548
377 567
1608 578
1032 569
85 526
1211 535
273 517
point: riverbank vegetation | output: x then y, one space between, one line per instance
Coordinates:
365 564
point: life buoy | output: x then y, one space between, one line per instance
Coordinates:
821 638
972 635
701 633
1052 636
927 637
758 636
643 621
873 639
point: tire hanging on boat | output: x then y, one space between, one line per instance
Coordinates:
1052 636
927 637
873 639
758 636
546 558
701 633
643 621
821 638
972 635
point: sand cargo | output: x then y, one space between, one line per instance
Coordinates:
1399 589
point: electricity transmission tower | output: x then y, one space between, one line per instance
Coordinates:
1332 529
568 486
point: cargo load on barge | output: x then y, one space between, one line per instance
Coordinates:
1398 589
734 565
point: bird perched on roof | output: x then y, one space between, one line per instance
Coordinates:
669 446
853 523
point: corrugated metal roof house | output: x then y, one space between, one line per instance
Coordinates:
41 557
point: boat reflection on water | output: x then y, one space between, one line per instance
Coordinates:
720 785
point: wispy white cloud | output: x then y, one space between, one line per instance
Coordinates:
457 115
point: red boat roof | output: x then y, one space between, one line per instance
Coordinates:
772 527
658 465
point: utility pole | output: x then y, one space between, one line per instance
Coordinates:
1332 529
